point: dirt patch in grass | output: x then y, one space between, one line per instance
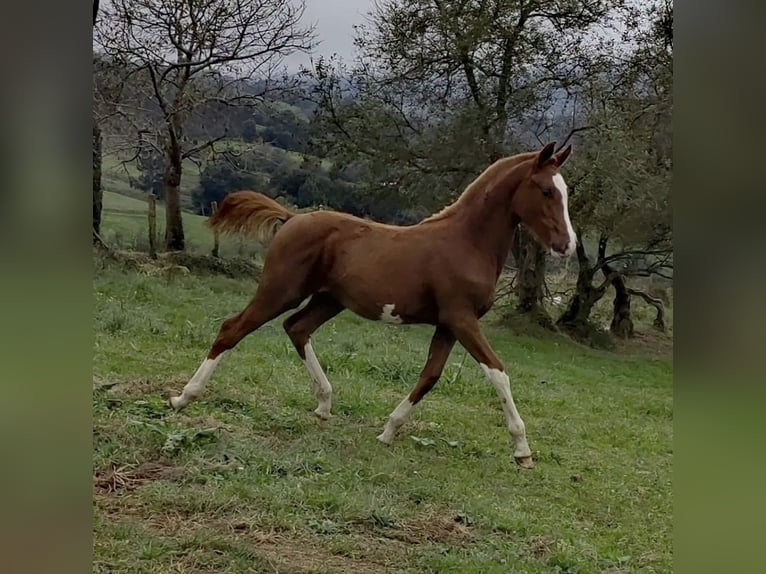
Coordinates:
433 527
430 526
542 547
647 342
142 387
305 553
285 551
118 479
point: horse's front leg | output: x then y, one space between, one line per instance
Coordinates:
468 332
441 345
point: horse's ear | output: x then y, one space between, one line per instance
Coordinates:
545 155
562 156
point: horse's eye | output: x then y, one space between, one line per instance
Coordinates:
548 192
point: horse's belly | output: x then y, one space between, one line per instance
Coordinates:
381 302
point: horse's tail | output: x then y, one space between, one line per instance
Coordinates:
249 213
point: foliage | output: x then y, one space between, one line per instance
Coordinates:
219 178
623 170
441 89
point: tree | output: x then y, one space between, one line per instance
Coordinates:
220 178
97 161
623 172
441 89
250 130
97 191
195 55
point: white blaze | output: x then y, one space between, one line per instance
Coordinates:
558 181
388 315
196 385
515 425
322 388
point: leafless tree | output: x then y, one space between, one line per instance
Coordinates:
186 56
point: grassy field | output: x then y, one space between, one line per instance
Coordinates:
246 479
124 224
116 177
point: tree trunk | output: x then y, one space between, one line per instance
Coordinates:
152 226
174 228
656 302
576 317
622 322
216 241
98 193
530 260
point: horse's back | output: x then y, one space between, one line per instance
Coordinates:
364 264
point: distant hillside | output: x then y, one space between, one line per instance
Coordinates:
124 224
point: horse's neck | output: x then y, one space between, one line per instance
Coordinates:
489 222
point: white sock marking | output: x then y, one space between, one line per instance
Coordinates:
196 385
561 185
515 425
388 314
397 418
322 387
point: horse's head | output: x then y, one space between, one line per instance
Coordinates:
541 201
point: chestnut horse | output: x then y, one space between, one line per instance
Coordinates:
441 271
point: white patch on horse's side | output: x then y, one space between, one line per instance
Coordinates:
397 418
561 185
322 387
388 315
515 425
196 385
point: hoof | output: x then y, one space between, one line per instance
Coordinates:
525 461
321 415
385 440
175 403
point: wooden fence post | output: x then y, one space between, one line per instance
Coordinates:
152 226
213 210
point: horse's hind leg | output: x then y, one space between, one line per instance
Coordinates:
271 300
299 326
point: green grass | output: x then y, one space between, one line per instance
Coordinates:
246 480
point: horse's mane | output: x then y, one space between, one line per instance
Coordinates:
481 184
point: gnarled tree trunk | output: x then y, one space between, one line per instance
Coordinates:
530 282
576 317
656 302
622 322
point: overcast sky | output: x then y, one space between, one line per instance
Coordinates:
334 20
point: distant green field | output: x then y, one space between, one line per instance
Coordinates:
125 224
116 177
